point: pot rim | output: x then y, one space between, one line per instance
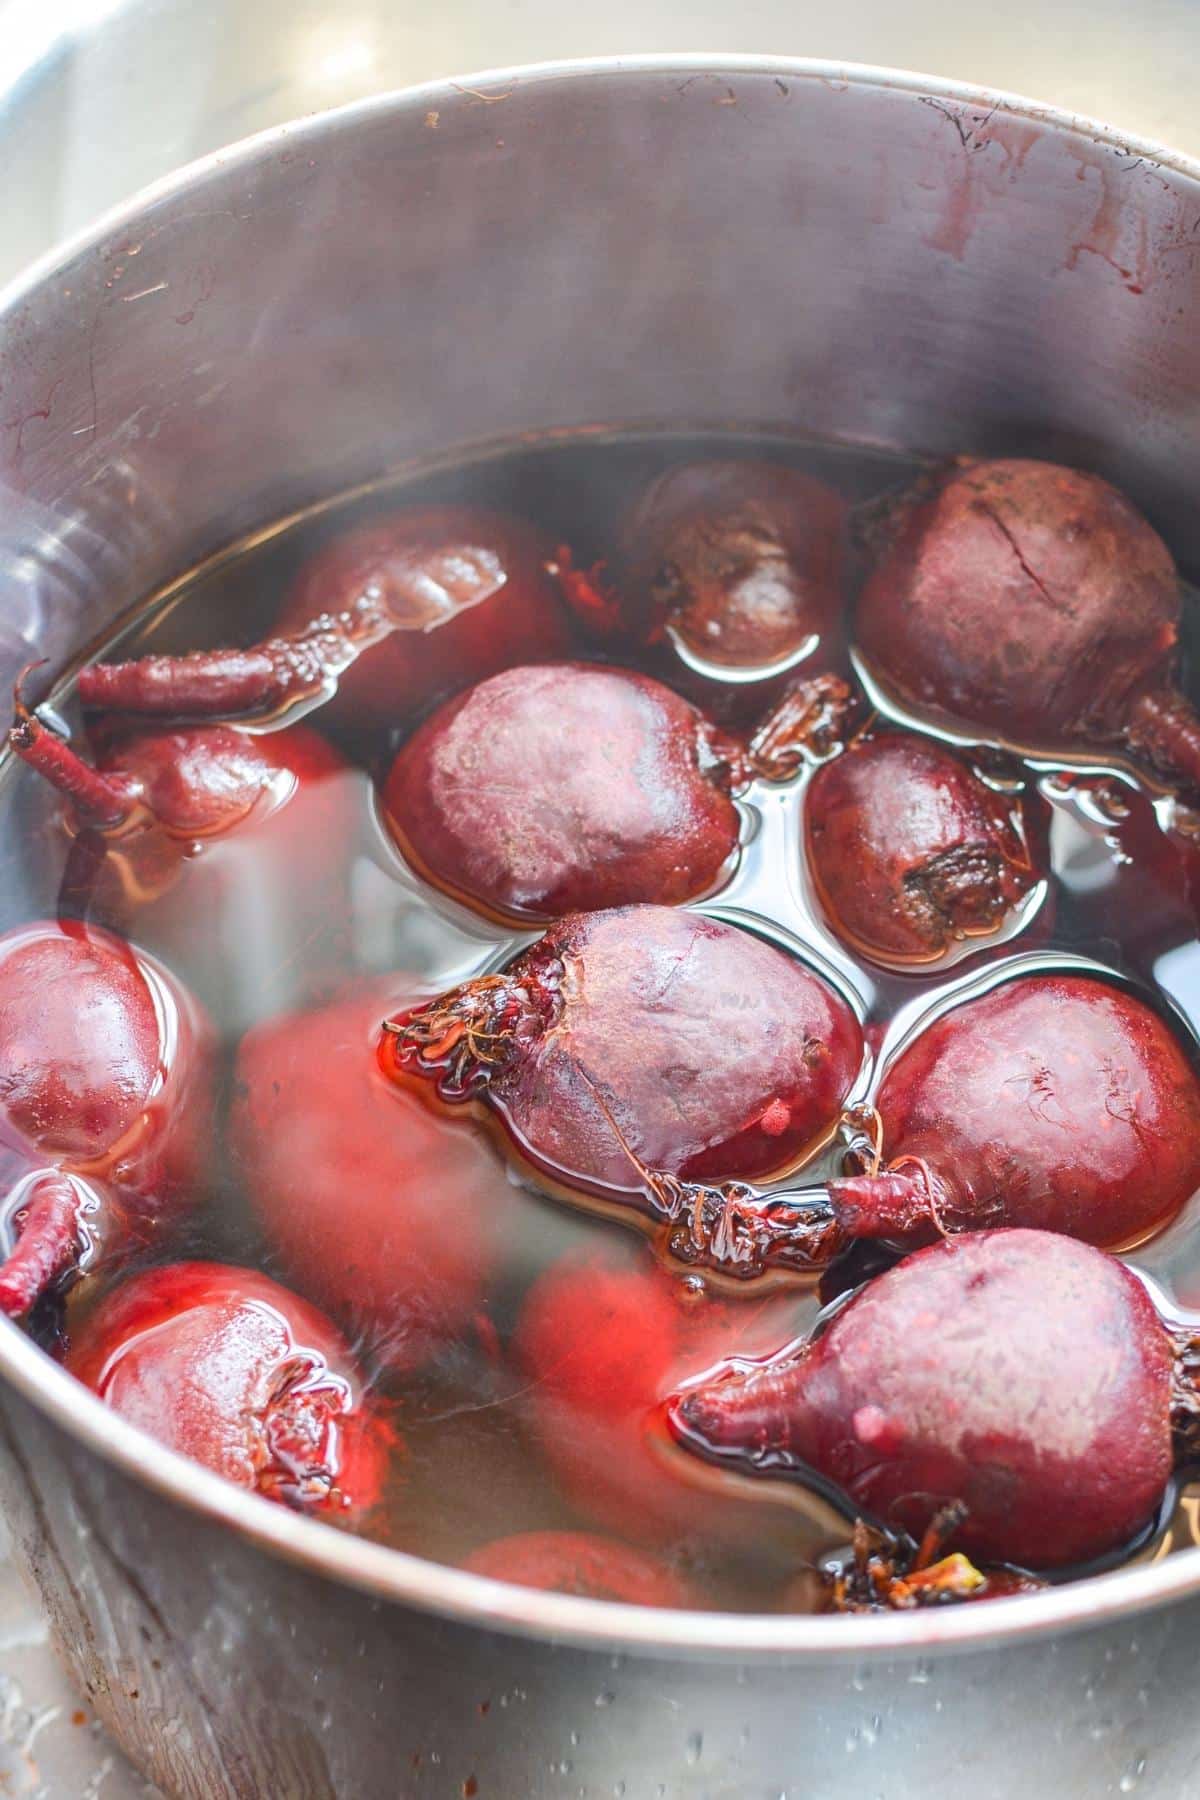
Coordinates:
396 1575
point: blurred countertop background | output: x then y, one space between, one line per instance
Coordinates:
99 97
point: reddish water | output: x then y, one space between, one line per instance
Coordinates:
1122 896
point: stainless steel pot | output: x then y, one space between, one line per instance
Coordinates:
872 257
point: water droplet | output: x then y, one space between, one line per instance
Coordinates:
922 1675
695 1746
618 1790
1132 1775
574 1738
605 1699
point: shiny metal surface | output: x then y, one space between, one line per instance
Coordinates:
723 241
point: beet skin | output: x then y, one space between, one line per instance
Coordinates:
1053 1101
910 850
643 1038
1023 1374
566 787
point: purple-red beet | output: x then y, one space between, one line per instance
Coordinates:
159 804
1035 602
733 567
639 1037
105 1074
383 618
1021 1374
1054 1101
564 788
228 1367
385 1212
910 851
581 1563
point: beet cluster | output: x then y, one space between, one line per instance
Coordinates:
540 739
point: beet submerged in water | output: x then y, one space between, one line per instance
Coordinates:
581 1563
1033 601
643 1037
383 618
389 1215
733 567
172 829
602 1339
1055 1101
228 1367
1017 1372
911 851
566 788
105 1074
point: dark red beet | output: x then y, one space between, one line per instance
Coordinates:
734 567
156 802
1054 1101
387 1213
1035 602
105 1073
910 851
602 1340
1022 1374
384 618
54 1227
565 788
643 1038
228 1367
581 1563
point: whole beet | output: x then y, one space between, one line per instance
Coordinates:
644 1037
383 618
581 1563
1034 602
172 829
732 568
911 852
385 1212
602 1339
105 1097
228 1367
566 787
1055 1101
1020 1373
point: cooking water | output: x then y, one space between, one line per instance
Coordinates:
1122 896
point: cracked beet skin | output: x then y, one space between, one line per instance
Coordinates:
566 787
642 1038
1020 1373
1034 602
911 851
1056 1101
227 1367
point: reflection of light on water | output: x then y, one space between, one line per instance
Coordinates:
31 29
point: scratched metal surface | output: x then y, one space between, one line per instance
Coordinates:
98 98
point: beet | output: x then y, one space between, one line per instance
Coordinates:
105 1074
734 568
384 618
168 828
642 1038
1054 1101
602 1340
910 851
581 1563
389 1215
231 1369
1020 1373
566 788
1034 602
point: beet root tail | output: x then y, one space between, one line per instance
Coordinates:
809 720
50 1241
281 675
1164 728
